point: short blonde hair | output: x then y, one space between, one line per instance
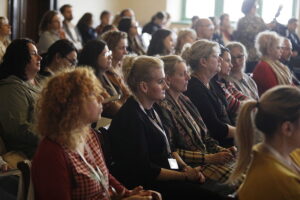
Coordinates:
200 49
60 103
181 35
265 41
141 70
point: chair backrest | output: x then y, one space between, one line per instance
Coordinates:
27 186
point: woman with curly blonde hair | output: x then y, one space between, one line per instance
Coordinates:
69 163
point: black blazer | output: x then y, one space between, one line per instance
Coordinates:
138 148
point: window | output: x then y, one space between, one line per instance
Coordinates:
196 7
267 9
233 8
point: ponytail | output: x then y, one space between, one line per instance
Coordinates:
244 139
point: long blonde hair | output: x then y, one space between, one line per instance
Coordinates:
275 106
60 103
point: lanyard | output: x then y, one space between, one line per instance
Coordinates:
158 124
97 174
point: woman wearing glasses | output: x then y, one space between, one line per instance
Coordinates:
242 81
60 55
97 55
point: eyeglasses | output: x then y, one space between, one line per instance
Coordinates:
108 53
238 56
72 61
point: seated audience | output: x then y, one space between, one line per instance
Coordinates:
161 43
50 30
184 36
203 58
61 54
242 81
270 72
272 168
135 43
97 55
5 32
105 19
85 27
155 24
233 96
71 30
117 43
141 151
69 163
18 89
188 133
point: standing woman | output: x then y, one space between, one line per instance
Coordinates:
50 30
242 81
161 43
5 31
69 162
277 116
97 55
270 72
18 89
203 58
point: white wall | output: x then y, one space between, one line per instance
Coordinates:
3 8
144 9
82 6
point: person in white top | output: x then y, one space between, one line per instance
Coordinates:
50 31
72 32
5 31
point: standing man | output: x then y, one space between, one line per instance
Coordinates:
72 33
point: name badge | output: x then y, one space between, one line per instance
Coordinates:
173 163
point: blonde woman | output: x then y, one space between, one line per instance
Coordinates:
141 150
203 58
242 81
272 173
270 72
5 31
184 36
69 163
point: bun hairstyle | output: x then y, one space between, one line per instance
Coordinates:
141 70
277 105
200 49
